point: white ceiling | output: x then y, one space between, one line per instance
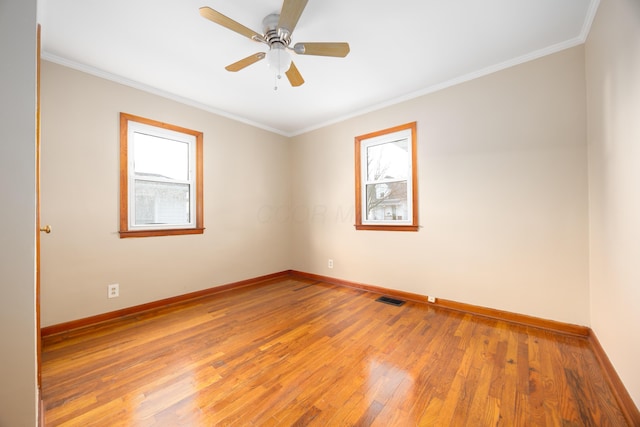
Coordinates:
399 50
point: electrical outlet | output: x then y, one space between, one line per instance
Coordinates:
431 299
113 291
330 263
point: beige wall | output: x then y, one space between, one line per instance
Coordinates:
17 214
246 171
613 91
502 195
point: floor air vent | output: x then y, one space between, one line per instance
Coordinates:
391 301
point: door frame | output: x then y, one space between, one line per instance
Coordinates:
37 296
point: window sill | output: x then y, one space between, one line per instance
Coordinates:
388 227
155 233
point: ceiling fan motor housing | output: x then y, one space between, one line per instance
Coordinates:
272 33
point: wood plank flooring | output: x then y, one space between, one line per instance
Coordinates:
297 352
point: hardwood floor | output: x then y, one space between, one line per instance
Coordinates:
297 352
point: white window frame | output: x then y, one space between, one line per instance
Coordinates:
407 133
141 128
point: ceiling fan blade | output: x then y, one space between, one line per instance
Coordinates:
237 66
294 76
322 49
218 18
290 13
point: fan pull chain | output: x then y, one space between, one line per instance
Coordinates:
276 77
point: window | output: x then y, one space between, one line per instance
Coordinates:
386 180
160 179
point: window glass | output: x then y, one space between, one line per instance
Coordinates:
161 157
387 202
161 203
388 161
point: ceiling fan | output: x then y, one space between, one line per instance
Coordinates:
277 35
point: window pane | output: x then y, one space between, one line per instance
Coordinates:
160 157
387 202
161 203
388 161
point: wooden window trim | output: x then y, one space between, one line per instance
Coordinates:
414 180
124 180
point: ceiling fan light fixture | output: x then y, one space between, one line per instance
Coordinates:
279 59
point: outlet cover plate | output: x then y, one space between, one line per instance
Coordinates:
113 291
